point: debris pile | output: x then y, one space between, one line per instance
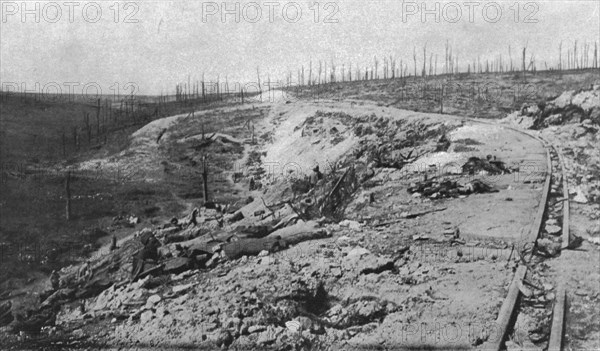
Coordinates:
438 189
478 166
570 107
253 275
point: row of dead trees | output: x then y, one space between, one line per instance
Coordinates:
577 57
427 64
107 116
203 92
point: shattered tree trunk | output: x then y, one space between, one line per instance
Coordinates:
442 99
64 147
204 180
68 196
98 122
88 128
333 204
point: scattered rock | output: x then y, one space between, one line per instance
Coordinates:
358 251
554 119
161 311
268 336
343 240
180 288
146 316
267 260
553 229
594 240
153 300
224 338
580 198
354 225
293 326
547 247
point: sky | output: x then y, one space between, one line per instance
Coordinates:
149 46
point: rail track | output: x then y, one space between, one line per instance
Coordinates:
554 201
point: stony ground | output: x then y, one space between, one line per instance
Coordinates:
575 135
416 270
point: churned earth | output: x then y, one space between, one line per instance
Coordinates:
392 275
419 254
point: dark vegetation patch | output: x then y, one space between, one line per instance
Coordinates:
33 206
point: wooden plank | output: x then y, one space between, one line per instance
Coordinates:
558 318
566 236
506 312
539 217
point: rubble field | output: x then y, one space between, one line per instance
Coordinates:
406 236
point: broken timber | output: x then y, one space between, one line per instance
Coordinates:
558 318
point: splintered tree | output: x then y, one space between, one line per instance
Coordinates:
415 58
88 128
98 122
68 196
560 55
446 59
204 179
258 79
64 146
350 72
575 64
320 70
75 140
423 73
523 67
310 72
431 64
332 73
595 55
